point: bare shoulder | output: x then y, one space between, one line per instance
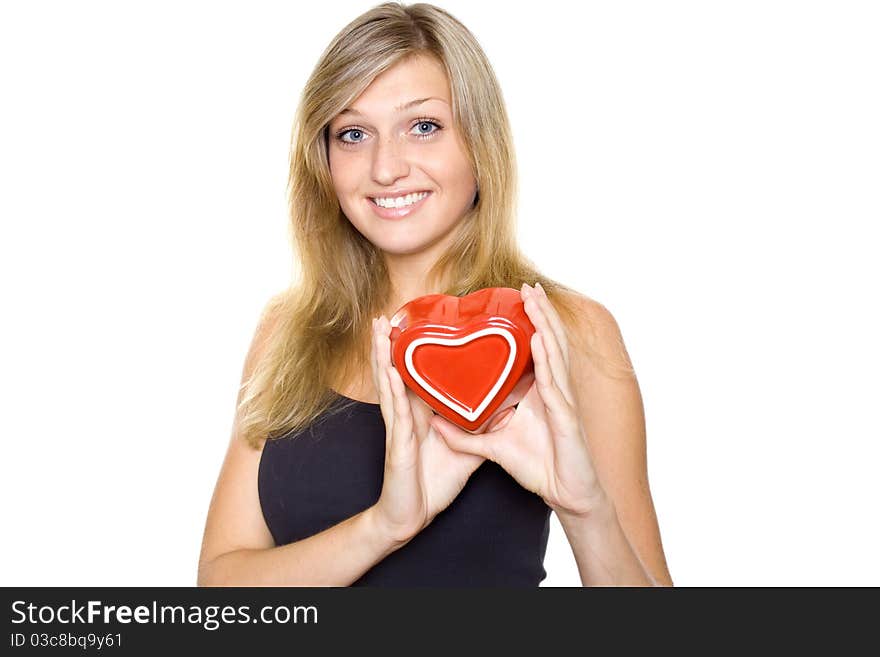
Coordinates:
266 324
597 328
592 310
235 518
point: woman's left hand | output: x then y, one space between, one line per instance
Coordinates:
541 443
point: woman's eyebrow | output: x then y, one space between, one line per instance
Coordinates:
399 108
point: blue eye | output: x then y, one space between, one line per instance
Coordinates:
423 135
358 133
340 134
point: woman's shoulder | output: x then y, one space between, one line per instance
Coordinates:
596 327
589 313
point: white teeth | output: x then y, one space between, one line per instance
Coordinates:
400 201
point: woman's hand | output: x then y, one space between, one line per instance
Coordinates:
422 474
541 443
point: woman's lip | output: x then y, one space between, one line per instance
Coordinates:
398 213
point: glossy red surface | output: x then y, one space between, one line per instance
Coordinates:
469 357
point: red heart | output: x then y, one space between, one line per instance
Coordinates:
464 356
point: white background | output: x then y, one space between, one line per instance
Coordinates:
709 171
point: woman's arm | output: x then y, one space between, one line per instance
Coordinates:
602 552
334 557
238 548
618 543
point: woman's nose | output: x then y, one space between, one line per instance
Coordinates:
389 160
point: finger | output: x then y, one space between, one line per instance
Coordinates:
500 421
374 370
548 315
400 450
383 386
558 408
553 318
421 412
384 343
558 366
462 441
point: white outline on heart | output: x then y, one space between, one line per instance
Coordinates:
469 415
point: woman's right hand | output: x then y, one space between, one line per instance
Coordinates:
422 473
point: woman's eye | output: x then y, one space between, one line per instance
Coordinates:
422 128
345 132
422 124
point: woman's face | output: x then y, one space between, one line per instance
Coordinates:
385 152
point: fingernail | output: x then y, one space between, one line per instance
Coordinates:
538 285
527 290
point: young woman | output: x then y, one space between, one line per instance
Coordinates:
403 183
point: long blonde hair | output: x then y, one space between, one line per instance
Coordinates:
319 327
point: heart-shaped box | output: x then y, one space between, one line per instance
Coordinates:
465 356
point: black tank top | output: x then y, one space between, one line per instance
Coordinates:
494 533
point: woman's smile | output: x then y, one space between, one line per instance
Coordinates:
399 211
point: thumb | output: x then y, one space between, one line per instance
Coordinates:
500 421
462 441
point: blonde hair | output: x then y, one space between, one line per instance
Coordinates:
318 329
